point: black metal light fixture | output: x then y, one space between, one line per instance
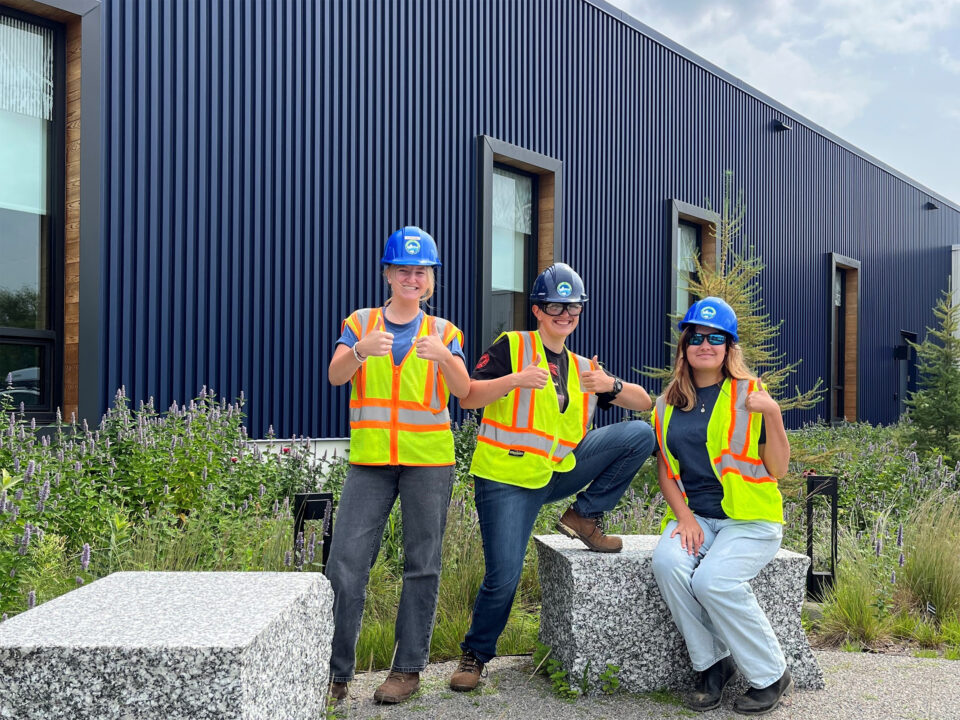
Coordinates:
930 205
779 125
314 506
819 580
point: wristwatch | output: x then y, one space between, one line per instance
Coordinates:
617 387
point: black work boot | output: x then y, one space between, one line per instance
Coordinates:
760 701
709 688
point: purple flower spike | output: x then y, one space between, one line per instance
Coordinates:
79 580
893 577
85 557
31 600
901 559
287 559
900 535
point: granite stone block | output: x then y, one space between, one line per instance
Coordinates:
603 608
145 646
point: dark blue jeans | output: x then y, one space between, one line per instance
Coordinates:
365 503
607 460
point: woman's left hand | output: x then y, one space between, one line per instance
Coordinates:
759 401
431 347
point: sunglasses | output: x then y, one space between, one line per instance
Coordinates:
555 308
712 339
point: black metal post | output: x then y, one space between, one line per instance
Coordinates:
819 580
314 506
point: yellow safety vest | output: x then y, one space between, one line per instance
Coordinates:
523 437
749 491
398 413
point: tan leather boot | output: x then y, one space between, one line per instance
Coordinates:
588 531
467 675
397 687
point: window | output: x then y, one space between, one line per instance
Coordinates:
31 211
513 250
844 284
692 235
906 357
519 228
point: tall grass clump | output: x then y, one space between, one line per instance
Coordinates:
850 613
930 575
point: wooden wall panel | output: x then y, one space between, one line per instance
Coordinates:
545 223
850 369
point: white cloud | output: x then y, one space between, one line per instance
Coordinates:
949 62
899 26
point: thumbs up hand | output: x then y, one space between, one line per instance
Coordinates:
376 343
596 381
532 376
431 347
760 401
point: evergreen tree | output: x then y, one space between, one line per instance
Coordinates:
736 279
934 409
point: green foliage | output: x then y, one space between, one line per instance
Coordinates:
736 279
931 572
850 615
934 409
610 679
182 490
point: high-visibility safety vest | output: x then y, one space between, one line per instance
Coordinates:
523 437
398 413
749 491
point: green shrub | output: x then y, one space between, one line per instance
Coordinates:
850 610
931 572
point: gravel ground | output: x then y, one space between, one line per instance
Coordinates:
859 687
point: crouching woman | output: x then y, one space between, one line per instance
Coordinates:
722 446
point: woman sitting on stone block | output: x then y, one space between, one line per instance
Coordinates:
403 365
722 447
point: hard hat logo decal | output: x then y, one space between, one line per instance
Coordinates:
707 313
412 246
564 289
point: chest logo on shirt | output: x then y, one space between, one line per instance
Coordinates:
412 246
484 359
554 369
564 289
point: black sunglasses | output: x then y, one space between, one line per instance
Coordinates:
555 308
712 338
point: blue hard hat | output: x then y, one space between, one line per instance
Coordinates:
712 312
558 283
410 246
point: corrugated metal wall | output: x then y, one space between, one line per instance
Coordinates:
258 153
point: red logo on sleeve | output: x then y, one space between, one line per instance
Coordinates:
484 359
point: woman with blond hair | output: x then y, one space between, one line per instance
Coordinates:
722 446
403 365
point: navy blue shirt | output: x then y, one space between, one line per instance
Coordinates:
687 442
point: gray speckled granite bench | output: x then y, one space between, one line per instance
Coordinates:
606 608
145 646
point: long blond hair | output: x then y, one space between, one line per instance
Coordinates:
431 283
680 391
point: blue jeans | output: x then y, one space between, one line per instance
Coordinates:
607 460
710 597
365 503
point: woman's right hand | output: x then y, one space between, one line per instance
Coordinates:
691 534
376 343
532 376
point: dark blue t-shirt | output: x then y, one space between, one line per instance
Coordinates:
687 442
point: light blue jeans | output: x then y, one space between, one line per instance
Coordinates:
711 600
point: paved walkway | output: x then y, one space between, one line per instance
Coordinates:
859 687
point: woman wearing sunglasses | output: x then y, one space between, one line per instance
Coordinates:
722 447
535 446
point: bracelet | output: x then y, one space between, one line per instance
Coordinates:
360 358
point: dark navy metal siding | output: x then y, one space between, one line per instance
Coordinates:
257 154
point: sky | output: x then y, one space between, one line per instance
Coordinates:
884 75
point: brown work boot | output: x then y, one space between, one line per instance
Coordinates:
397 687
467 675
589 531
338 693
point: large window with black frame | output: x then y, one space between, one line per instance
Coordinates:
31 211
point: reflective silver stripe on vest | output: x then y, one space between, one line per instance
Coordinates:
525 395
521 439
409 417
436 402
662 417
741 418
583 365
745 469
